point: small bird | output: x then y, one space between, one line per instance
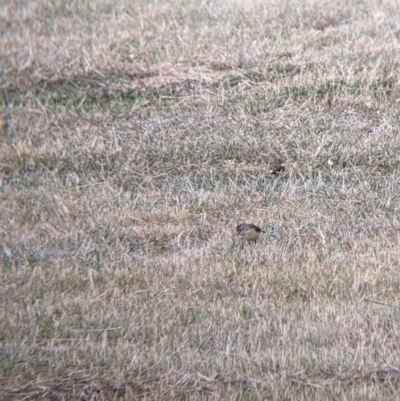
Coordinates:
276 166
249 232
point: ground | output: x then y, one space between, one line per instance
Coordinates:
135 136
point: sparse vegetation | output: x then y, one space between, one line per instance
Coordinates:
135 136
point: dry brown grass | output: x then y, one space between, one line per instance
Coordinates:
133 137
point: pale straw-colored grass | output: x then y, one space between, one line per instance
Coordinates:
134 137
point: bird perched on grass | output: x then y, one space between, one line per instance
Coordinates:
277 166
249 232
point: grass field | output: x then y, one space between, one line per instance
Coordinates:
135 136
